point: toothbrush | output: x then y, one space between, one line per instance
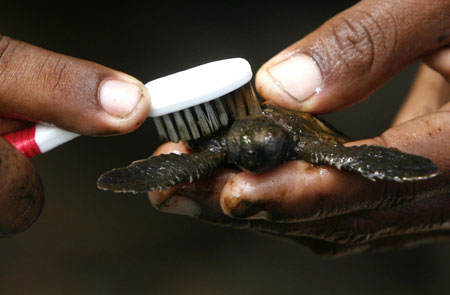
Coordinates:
185 106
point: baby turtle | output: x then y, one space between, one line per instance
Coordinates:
261 142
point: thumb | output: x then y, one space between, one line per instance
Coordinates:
74 94
354 53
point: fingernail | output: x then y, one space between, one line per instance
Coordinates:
241 209
298 76
119 98
180 205
263 214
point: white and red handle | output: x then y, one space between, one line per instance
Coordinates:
38 139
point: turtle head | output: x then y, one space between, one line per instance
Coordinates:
257 144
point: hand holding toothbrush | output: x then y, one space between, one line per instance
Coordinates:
83 97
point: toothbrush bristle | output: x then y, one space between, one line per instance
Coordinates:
213 120
160 128
223 116
231 105
240 104
192 123
202 120
207 118
181 126
253 106
173 136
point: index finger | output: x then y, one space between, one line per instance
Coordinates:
74 94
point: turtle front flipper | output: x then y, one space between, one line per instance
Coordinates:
371 161
161 172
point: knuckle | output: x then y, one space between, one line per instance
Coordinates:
355 45
355 42
50 74
53 71
24 66
5 47
7 53
40 69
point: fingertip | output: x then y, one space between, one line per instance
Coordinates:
268 90
170 202
172 147
290 82
229 196
162 200
440 62
246 195
119 98
154 198
125 103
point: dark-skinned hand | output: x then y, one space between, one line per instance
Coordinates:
333 212
76 95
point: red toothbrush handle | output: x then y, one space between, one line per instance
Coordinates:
24 141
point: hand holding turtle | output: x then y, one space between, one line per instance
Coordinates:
76 95
330 211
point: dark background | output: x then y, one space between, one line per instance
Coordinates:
93 242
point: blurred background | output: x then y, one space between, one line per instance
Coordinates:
93 242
